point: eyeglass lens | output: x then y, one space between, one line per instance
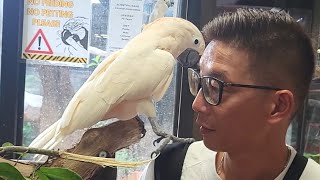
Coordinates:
210 87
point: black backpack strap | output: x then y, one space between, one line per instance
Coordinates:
168 166
296 168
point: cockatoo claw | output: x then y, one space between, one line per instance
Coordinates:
143 135
141 125
158 140
162 146
154 154
166 142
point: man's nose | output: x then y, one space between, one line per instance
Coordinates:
199 104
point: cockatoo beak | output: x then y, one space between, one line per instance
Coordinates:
189 58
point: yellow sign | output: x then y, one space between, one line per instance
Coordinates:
58 30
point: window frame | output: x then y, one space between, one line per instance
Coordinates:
12 73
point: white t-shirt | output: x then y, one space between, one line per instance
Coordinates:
198 165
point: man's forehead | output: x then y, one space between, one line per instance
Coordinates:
223 60
210 49
216 50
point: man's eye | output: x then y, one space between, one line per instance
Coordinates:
214 84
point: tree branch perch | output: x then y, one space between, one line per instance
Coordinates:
110 138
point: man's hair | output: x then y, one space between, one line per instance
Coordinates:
281 53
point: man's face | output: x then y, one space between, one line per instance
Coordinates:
240 120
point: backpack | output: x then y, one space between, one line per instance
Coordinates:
168 166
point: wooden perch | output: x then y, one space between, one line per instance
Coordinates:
108 139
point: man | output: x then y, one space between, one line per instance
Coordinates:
254 75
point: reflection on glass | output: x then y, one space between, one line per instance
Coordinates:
312 118
49 87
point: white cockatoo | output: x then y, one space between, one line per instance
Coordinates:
159 10
130 80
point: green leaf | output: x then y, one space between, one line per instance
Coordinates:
97 58
41 176
45 173
9 172
7 144
92 65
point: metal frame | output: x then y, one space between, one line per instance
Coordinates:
182 115
199 13
12 74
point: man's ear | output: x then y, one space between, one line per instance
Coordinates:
283 106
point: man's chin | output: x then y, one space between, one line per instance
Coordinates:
210 145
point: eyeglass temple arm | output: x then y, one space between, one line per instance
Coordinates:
252 86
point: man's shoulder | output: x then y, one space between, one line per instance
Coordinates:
311 171
199 163
198 158
198 153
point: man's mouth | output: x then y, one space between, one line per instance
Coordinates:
205 130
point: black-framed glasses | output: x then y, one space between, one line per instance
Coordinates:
212 88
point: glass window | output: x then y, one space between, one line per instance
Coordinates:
49 86
312 114
1 15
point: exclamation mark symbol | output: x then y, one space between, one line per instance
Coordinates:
39 40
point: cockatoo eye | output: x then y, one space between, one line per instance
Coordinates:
196 41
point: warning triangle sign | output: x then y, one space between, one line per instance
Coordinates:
39 44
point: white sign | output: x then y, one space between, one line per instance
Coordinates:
125 22
56 30
127 17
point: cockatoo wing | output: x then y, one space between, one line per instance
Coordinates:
132 76
87 107
162 88
104 65
137 76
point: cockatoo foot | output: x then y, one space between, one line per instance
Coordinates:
156 128
141 125
182 140
167 140
161 147
163 135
